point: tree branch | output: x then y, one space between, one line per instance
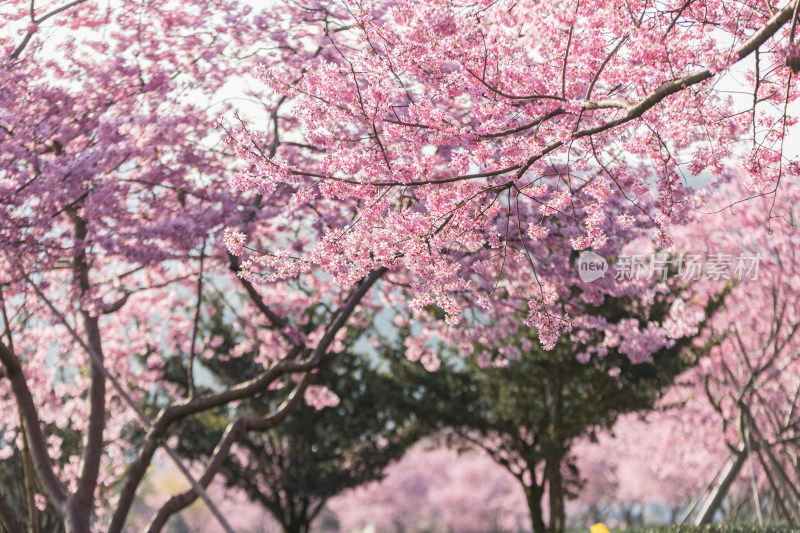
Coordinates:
634 111
32 427
80 503
279 322
221 452
241 424
18 50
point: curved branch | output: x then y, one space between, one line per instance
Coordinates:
242 390
178 502
221 452
41 460
18 50
284 366
136 472
634 111
181 501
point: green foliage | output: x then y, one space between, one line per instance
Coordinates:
316 454
545 399
527 413
12 486
293 469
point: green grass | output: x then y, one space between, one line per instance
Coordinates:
715 528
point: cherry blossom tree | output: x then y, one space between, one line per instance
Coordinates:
528 409
114 198
436 489
725 437
749 381
444 154
662 459
100 157
461 133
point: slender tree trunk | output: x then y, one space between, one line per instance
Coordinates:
533 495
80 504
76 522
552 468
594 513
555 490
30 490
297 524
721 488
627 516
674 514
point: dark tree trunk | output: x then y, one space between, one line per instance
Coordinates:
720 490
555 489
627 516
296 525
297 516
533 495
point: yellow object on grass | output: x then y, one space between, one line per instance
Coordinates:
598 528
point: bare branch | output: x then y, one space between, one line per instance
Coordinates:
32 426
176 503
221 452
603 65
18 50
278 321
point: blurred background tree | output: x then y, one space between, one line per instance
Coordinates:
527 413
